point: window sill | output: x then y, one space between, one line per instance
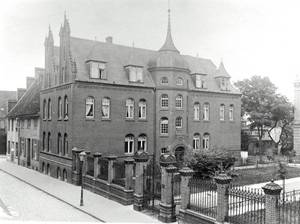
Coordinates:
180 109
89 119
206 121
66 119
128 153
164 136
142 120
164 108
139 82
196 120
129 119
49 119
59 119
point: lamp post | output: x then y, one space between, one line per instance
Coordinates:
81 157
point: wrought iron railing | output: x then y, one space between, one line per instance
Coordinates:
103 172
289 207
119 168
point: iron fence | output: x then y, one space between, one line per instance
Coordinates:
289 207
103 172
203 196
246 205
119 168
90 165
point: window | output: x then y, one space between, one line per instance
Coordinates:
164 101
178 122
200 82
164 81
129 144
89 107
142 143
142 109
105 109
59 108
197 111
179 82
97 70
59 144
224 84
49 109
196 141
178 102
129 108
44 109
135 74
66 145
164 150
206 141
66 108
231 112
206 112
43 141
164 123
49 142
222 112
35 149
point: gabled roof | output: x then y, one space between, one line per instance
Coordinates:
29 104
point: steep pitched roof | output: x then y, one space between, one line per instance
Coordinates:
29 104
221 71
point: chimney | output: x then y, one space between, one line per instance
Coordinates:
20 93
109 39
29 81
11 104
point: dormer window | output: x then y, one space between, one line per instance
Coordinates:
97 70
223 84
135 73
200 82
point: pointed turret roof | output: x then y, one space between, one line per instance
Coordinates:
50 35
66 23
221 71
169 44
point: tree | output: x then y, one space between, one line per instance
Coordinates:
260 102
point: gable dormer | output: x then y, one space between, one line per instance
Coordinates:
97 69
134 73
200 80
222 77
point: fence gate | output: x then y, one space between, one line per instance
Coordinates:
152 186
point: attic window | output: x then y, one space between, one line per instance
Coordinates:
97 70
135 74
200 82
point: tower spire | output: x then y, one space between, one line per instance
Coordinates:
169 44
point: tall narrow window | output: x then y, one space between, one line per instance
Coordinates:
178 102
89 107
142 109
231 112
197 111
59 108
206 112
142 143
49 142
49 109
105 110
206 141
178 122
59 148
43 141
66 108
196 141
164 101
164 126
129 144
222 112
129 108
66 145
45 110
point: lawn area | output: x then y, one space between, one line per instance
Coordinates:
260 175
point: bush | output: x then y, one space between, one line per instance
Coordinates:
207 163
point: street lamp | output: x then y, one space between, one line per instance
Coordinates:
81 157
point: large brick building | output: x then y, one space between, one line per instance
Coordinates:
113 99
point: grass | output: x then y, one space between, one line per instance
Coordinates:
263 174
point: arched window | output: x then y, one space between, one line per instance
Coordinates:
231 108
178 122
49 109
105 109
66 108
66 145
222 112
164 126
49 142
142 142
44 141
163 150
206 141
197 111
179 81
48 170
164 101
178 102
206 112
89 107
58 173
196 141
59 108
129 144
130 108
65 175
59 144
164 81
142 109
44 109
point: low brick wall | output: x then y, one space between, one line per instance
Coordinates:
190 217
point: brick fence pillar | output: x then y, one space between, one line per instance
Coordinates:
97 155
141 158
272 192
223 181
186 174
111 169
75 166
129 173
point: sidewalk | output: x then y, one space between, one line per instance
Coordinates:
101 208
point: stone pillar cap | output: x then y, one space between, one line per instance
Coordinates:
77 150
129 160
171 169
186 171
141 156
97 154
167 159
272 188
223 178
111 157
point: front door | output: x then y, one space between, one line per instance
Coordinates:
28 152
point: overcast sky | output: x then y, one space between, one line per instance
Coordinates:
253 37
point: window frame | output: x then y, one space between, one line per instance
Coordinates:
178 120
66 108
164 126
179 100
231 112
197 111
222 112
206 141
142 113
92 103
164 101
196 141
105 105
179 81
59 108
164 80
142 139
129 105
129 148
206 108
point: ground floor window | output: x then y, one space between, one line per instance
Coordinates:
65 176
206 141
48 170
196 141
129 144
58 173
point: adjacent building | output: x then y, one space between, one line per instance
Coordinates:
114 99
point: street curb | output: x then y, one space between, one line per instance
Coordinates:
52 195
